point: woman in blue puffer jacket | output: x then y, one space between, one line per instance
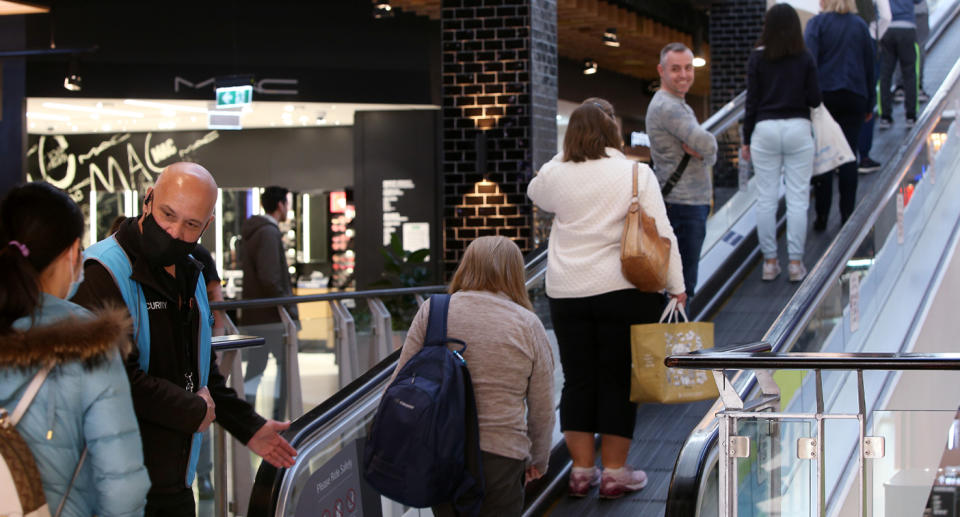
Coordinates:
85 400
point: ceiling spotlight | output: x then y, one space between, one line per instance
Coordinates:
610 38
589 66
73 81
382 9
698 60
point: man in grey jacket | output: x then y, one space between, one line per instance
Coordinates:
265 275
674 132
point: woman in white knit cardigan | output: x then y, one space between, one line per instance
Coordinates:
588 188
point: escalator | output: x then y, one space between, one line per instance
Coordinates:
897 246
330 437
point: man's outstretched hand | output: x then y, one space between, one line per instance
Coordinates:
269 445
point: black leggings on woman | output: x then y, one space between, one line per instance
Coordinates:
849 110
593 335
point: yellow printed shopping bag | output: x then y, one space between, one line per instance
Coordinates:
651 381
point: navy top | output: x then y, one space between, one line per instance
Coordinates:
843 50
781 89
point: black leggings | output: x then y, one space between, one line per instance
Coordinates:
593 335
849 110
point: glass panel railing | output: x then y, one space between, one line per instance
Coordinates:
772 480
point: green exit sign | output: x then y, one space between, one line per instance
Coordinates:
234 96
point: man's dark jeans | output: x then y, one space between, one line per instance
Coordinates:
690 226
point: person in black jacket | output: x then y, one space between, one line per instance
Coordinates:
169 403
265 275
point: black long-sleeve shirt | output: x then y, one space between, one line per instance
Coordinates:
782 89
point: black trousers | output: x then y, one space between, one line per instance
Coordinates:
503 488
180 504
593 335
899 46
848 109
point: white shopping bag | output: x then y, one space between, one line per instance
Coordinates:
831 149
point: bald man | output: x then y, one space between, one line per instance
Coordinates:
176 384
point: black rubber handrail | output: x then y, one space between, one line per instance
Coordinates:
718 360
690 470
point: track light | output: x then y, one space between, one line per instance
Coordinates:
73 81
589 66
382 9
610 38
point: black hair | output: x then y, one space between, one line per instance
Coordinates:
271 197
115 225
37 223
782 36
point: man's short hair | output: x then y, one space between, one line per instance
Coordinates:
273 196
676 46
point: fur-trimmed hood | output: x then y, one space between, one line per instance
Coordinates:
69 339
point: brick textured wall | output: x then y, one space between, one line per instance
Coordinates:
499 72
734 28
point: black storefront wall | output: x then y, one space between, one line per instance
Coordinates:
303 159
396 160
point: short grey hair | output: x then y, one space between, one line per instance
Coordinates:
676 46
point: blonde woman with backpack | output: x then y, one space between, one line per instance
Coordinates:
511 364
79 427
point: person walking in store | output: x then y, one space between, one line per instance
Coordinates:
682 153
592 305
81 419
840 44
177 387
265 275
511 365
781 88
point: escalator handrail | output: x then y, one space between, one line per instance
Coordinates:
690 470
730 113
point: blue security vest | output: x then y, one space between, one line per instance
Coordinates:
110 254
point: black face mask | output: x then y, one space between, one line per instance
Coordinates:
160 248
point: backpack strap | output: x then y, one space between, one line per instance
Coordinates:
437 325
29 394
675 177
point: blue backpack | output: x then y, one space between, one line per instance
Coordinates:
424 446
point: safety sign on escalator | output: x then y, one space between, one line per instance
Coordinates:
333 490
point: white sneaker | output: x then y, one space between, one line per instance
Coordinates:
770 271
582 479
797 271
616 482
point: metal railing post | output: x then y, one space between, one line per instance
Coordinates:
242 475
349 367
382 329
292 375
